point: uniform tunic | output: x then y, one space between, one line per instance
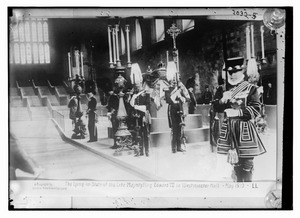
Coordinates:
112 107
92 116
143 122
175 111
240 131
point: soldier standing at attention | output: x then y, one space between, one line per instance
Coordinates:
141 104
176 95
93 117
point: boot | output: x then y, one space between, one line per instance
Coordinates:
247 176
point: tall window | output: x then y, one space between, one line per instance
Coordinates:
30 42
17 53
138 35
157 30
185 25
188 25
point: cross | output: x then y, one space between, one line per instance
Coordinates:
174 31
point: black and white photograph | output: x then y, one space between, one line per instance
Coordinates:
147 107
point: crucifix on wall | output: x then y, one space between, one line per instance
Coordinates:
173 32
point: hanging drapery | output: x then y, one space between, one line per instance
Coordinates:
123 45
136 74
171 70
138 34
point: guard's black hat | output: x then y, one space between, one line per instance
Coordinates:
235 64
220 80
190 83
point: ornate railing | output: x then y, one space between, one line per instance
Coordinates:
59 118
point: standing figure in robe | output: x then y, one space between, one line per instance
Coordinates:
238 137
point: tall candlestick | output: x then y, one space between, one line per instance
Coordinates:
69 61
81 55
114 44
252 41
248 50
263 59
177 61
128 47
77 61
167 55
117 44
109 46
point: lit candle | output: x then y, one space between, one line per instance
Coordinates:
262 42
114 44
77 61
128 47
252 41
117 44
167 54
109 45
81 55
248 51
69 61
177 62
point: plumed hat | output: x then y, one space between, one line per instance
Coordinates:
190 83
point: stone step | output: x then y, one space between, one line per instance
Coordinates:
44 90
53 100
19 114
204 111
101 110
15 101
40 113
13 92
192 135
61 90
34 101
28 91
192 121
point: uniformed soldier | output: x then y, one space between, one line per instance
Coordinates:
92 117
112 107
140 101
176 95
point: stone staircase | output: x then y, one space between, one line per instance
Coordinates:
196 125
194 131
61 90
15 101
45 92
19 114
34 101
13 92
40 113
28 91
